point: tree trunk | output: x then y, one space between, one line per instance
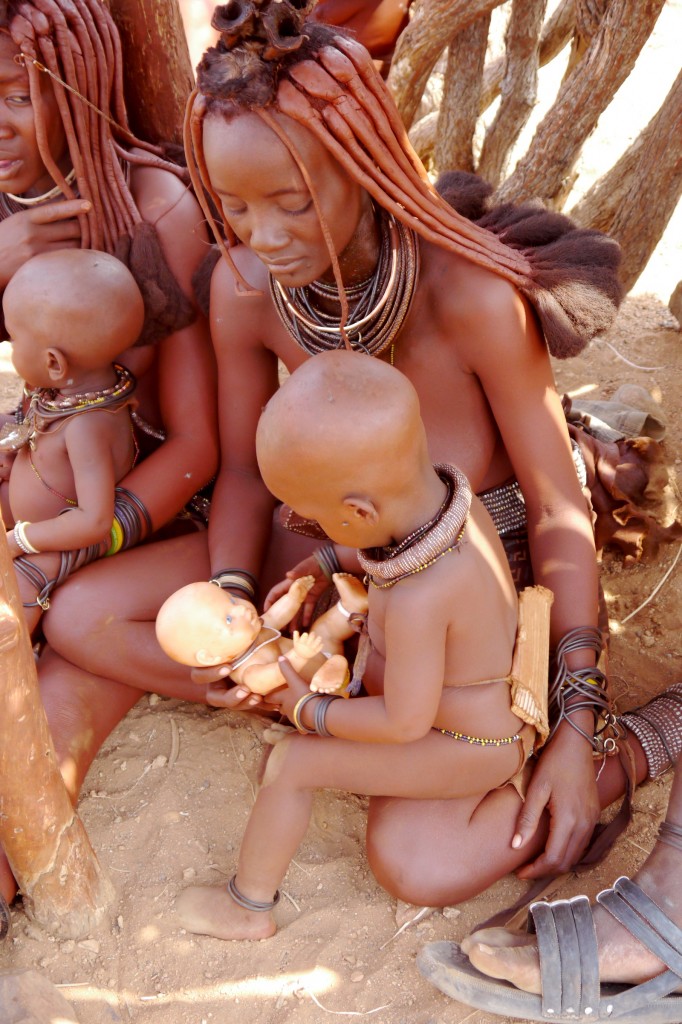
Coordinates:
45 842
461 98
519 87
555 35
559 138
158 75
636 198
434 23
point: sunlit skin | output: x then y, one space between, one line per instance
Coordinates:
343 437
377 484
69 314
281 225
471 347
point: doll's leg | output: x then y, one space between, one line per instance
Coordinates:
334 625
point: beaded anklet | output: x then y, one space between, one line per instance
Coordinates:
261 906
658 727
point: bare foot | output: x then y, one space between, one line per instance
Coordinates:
622 959
332 676
210 910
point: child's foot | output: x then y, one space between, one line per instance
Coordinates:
210 910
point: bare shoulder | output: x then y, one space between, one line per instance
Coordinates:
486 311
160 194
465 289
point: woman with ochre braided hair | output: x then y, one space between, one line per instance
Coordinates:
333 237
73 175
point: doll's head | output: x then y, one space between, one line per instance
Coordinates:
70 313
201 625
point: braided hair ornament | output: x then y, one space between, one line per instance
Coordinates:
270 60
76 44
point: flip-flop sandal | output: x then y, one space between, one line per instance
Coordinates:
569 970
5 918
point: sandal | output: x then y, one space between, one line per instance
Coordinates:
5 918
567 947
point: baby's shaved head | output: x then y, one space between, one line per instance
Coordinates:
82 301
342 416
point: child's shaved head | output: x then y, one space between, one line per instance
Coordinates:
344 422
81 301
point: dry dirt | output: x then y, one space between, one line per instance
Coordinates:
167 799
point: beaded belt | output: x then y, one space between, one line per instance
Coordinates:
506 507
505 504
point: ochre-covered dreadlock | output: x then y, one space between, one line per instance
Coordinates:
76 44
270 59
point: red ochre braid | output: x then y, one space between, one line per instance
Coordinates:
76 43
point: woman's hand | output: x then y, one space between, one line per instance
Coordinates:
36 230
564 785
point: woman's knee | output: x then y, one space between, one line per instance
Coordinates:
129 588
415 854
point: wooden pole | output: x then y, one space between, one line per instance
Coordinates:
158 74
49 853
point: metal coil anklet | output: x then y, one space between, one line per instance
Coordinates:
261 906
670 834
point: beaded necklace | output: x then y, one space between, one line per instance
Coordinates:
48 404
384 567
379 305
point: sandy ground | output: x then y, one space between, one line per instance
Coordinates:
167 799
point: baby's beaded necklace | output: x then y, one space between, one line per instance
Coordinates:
384 567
